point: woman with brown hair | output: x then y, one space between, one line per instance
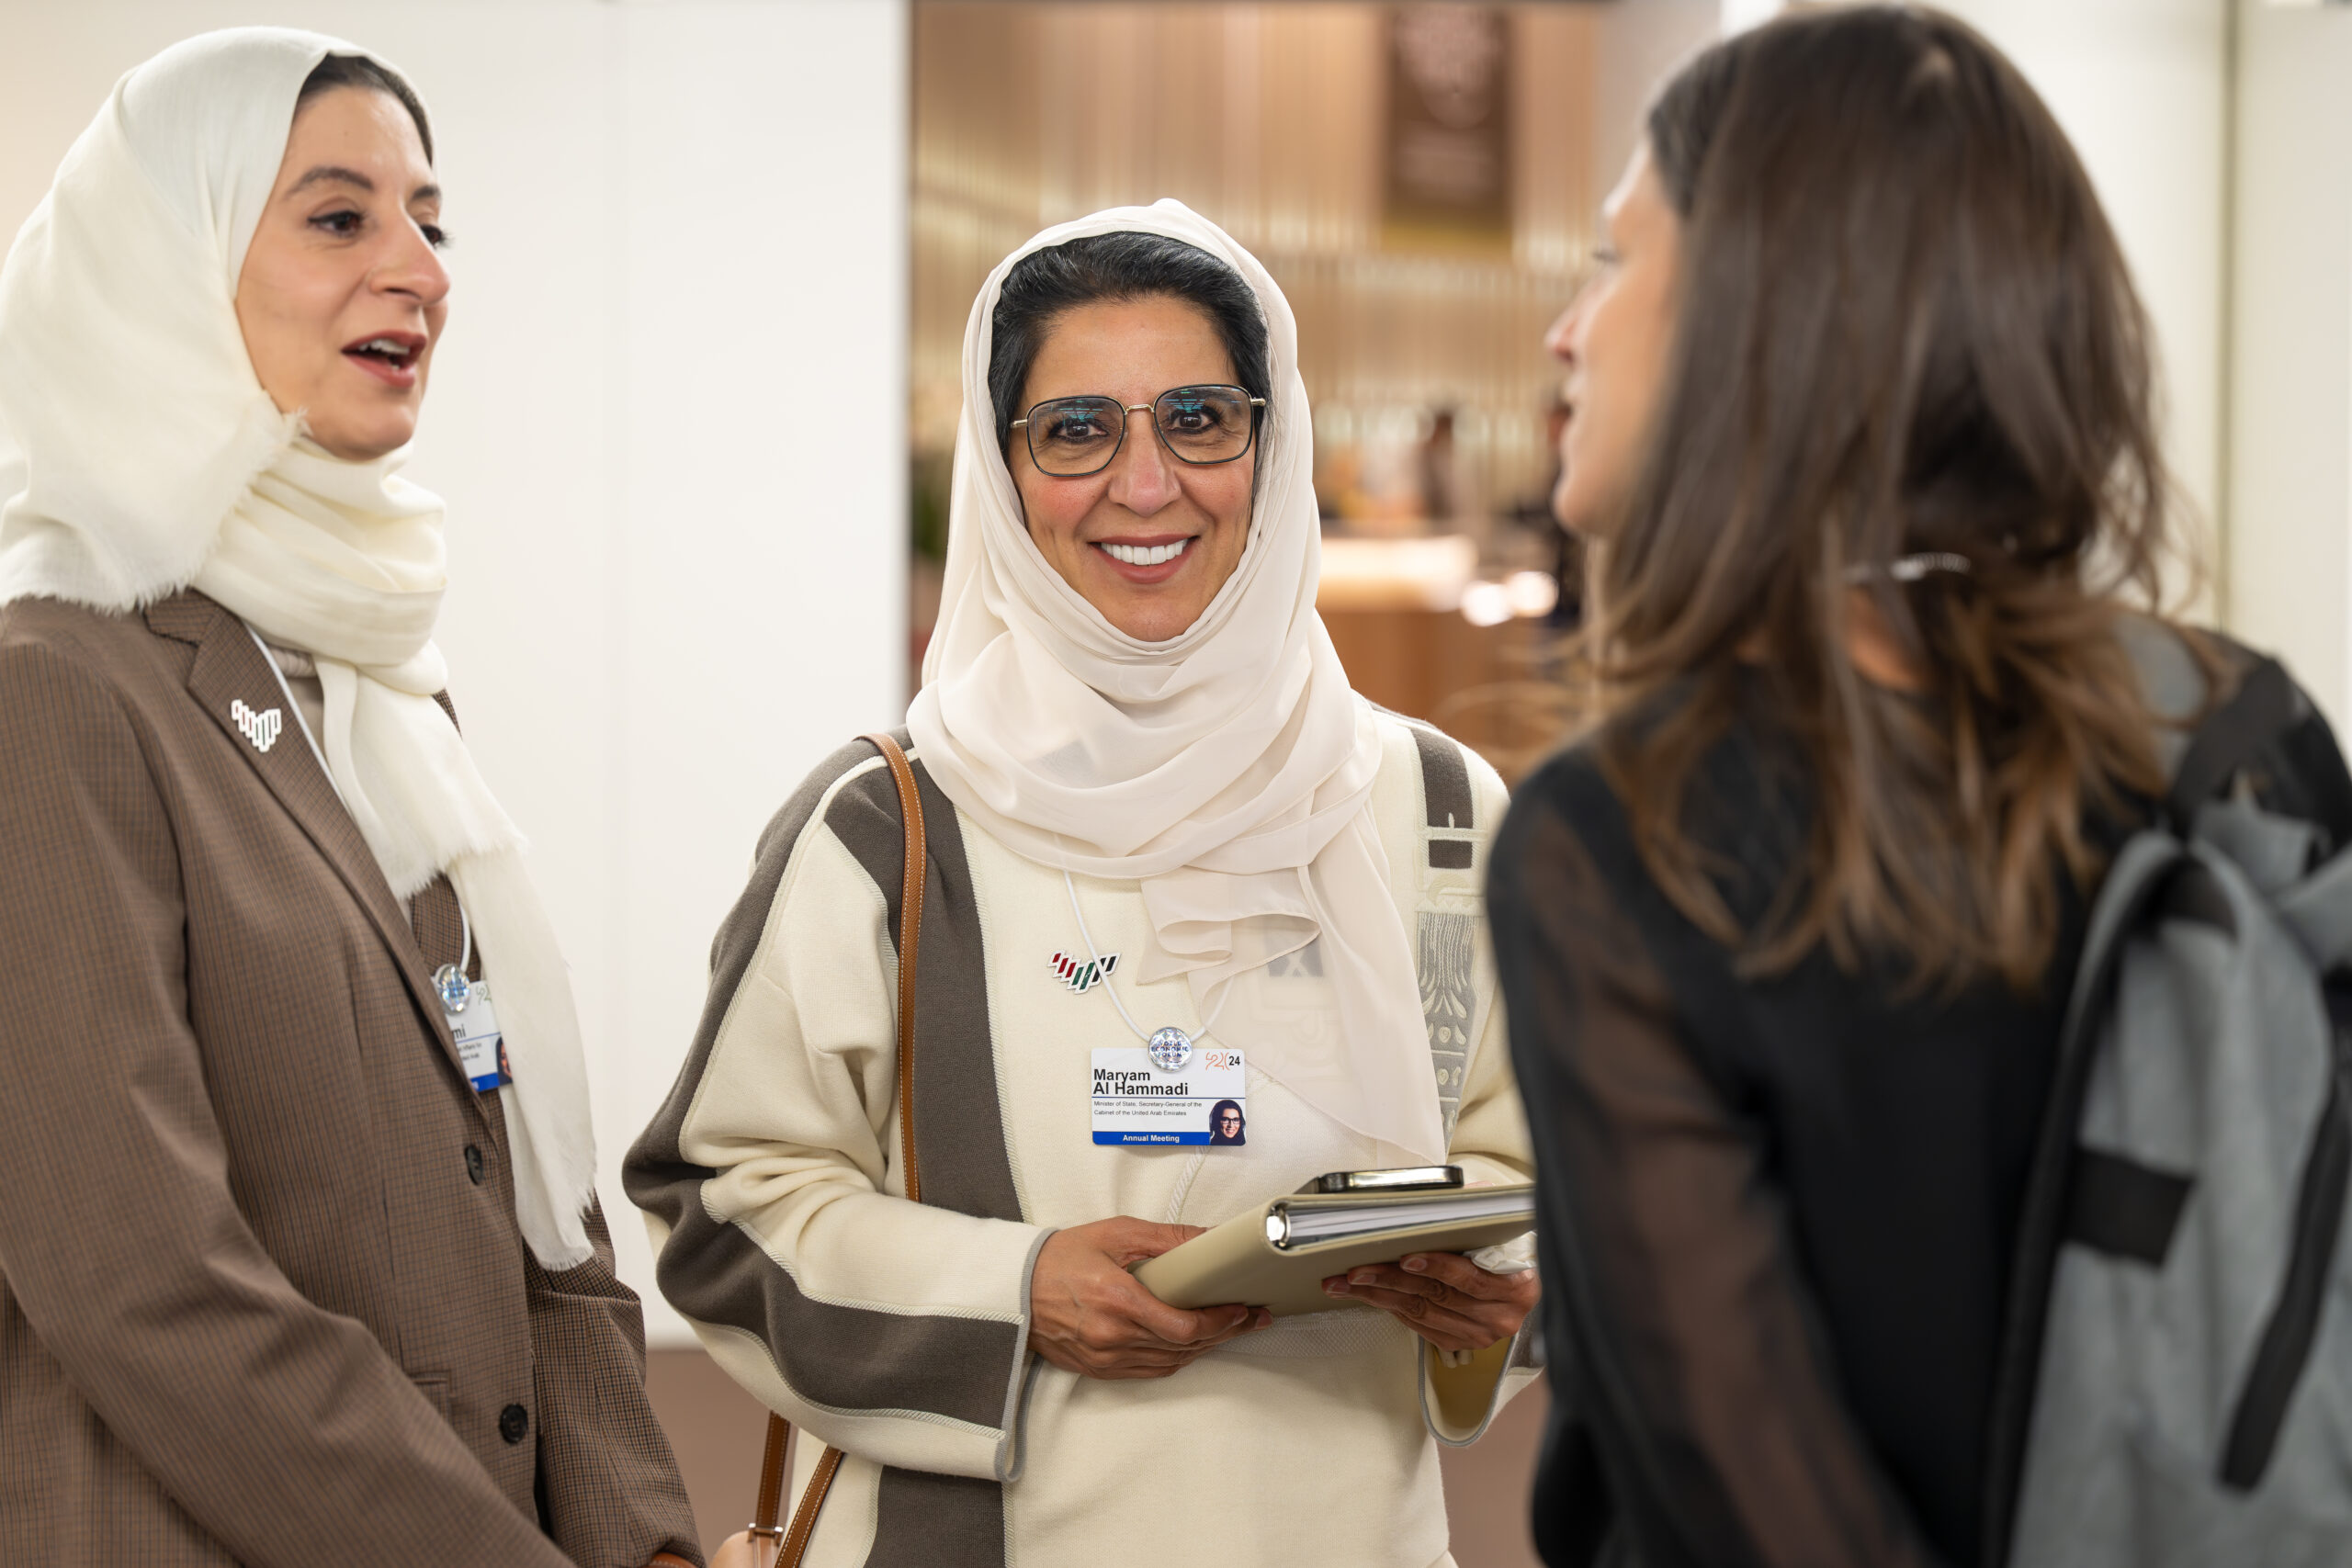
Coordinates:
1861 425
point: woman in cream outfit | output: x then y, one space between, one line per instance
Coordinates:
1152 800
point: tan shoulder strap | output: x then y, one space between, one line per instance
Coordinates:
793 1544
917 863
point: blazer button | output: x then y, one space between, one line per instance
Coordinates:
473 1169
514 1423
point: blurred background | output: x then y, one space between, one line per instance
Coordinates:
1422 182
714 260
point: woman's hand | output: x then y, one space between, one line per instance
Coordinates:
1088 1315
1444 1297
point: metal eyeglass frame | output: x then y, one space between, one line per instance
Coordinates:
1256 406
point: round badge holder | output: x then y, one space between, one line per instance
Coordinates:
1171 1048
454 988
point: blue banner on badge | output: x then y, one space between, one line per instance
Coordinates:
482 1047
1137 1102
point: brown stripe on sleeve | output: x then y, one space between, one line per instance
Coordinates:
959 1127
845 1358
926 1520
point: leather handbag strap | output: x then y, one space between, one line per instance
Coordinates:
917 863
792 1543
804 1517
770 1496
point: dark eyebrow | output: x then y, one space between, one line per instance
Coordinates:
326 172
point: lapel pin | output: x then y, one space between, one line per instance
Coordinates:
262 728
1082 975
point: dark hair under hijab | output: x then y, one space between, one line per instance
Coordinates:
1903 326
359 71
1125 265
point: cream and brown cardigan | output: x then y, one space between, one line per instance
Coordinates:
899 1332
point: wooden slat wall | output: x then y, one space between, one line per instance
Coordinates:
1267 119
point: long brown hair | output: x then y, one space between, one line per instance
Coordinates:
1904 329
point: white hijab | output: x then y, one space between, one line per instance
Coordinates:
139 455
1228 769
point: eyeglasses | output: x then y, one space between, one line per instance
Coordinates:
1072 438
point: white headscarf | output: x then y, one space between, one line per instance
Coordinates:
1228 769
139 455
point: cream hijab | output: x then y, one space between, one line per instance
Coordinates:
139 455
1229 769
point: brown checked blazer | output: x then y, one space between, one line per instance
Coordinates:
263 1299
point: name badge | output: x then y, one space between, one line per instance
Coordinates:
1200 1102
481 1049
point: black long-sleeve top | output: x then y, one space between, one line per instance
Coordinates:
1778 1215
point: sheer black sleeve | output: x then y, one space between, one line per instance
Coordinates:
1693 1363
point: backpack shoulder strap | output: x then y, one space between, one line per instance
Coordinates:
2263 709
2207 735
1443 930
1449 798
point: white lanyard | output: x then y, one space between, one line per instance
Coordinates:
466 949
1195 1037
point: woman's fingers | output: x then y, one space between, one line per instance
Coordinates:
1447 1300
1203 1328
1448 1275
1106 1341
1118 1347
1436 1322
1452 1268
1393 1281
1144 1318
1212 1326
1127 1297
1126 1240
1391 1278
1250 1321
1089 1315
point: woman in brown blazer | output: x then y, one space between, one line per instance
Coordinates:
301 1260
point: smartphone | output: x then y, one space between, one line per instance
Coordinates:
1410 1178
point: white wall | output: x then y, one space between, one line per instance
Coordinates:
669 421
1640 43
2290 431
2142 87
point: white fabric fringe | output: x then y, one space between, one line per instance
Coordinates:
139 455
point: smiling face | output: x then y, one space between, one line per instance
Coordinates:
1614 338
342 294
1149 540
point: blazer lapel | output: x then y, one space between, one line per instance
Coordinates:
235 683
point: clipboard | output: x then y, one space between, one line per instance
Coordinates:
1278 1255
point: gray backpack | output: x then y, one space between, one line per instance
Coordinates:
2179 1387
